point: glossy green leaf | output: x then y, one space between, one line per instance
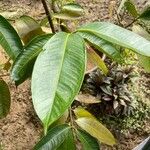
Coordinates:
70 12
97 60
88 142
54 138
130 7
57 76
4 99
96 129
27 28
145 14
23 65
80 112
143 60
118 35
69 142
102 45
9 39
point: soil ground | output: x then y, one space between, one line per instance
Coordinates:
21 129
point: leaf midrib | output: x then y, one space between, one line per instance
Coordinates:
85 123
49 114
3 38
104 37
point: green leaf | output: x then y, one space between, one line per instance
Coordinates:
57 76
96 129
69 143
144 62
23 65
145 14
70 12
80 112
88 142
73 8
9 39
54 138
4 99
97 60
131 8
102 45
27 28
118 35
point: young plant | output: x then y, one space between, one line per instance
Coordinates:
57 62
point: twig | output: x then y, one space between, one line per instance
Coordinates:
132 22
72 124
71 118
49 17
118 18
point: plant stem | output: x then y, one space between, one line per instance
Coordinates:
132 22
48 14
72 124
71 117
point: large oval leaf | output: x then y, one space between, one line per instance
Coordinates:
88 142
70 12
80 112
27 28
69 142
57 76
96 129
23 65
4 99
9 39
103 46
119 36
54 138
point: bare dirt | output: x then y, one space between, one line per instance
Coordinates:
21 129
